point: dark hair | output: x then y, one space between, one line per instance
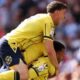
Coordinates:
58 46
55 5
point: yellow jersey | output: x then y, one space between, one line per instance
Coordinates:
41 69
9 75
29 36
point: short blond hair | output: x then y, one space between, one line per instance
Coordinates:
55 5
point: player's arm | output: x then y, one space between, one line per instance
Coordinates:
48 42
51 52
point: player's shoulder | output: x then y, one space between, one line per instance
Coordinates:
38 16
45 18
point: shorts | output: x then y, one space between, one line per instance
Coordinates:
7 54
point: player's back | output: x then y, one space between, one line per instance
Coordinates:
28 36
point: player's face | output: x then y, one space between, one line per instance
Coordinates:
59 16
62 14
60 55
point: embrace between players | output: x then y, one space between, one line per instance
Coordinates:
29 50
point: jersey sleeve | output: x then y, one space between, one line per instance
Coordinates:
48 30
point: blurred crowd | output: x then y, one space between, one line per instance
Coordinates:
12 12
